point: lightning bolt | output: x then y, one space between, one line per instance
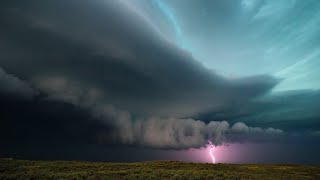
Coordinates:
210 152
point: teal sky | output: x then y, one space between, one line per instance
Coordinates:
246 38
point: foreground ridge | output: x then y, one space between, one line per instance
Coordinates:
25 169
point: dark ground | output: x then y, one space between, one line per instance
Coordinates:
24 169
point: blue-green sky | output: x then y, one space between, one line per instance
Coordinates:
248 37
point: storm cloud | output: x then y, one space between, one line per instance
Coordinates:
109 60
179 133
153 71
11 85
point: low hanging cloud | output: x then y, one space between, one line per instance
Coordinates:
13 86
179 133
155 132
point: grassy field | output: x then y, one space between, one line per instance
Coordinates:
23 169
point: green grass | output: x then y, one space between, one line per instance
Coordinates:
24 169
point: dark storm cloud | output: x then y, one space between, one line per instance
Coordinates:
290 110
180 133
107 58
125 58
25 121
293 111
11 85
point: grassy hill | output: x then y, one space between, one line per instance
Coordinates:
23 169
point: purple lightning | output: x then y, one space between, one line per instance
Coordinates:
210 151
